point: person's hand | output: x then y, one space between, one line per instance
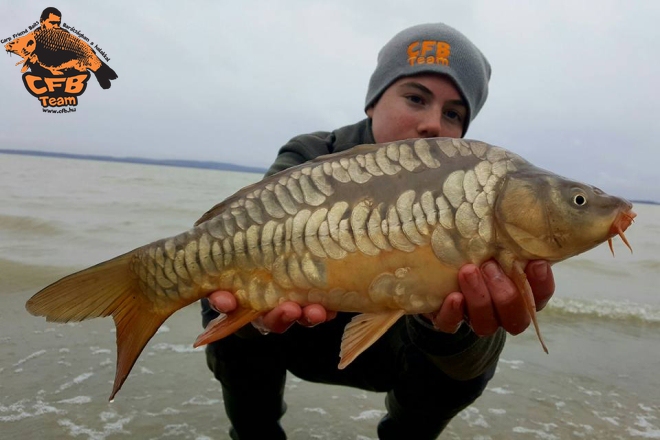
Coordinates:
489 299
280 318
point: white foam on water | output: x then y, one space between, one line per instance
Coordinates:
202 400
77 380
23 409
473 418
107 415
616 310
370 414
32 356
537 433
162 329
105 362
316 410
166 412
177 348
649 430
513 364
145 370
180 430
497 411
612 420
97 350
76 400
364 437
63 350
589 392
500 390
108 429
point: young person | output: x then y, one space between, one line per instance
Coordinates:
430 81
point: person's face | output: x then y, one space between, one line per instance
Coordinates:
420 106
52 22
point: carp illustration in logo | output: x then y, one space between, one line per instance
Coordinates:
58 62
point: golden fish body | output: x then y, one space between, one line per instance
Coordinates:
379 229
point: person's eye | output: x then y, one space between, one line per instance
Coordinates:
415 99
454 115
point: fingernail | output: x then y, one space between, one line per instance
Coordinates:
491 270
213 307
540 271
474 282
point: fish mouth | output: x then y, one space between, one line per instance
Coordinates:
619 225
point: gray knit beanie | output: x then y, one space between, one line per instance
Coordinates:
433 48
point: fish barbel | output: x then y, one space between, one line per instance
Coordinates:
378 229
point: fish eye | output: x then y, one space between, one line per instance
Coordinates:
579 199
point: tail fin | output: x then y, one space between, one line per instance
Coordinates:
104 74
109 288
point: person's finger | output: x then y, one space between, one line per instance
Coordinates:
282 317
542 281
478 304
312 315
222 301
507 300
451 314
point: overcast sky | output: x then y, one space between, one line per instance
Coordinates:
575 85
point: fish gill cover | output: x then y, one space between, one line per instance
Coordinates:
56 63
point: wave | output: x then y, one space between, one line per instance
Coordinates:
594 267
14 223
624 311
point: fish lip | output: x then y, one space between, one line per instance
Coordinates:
623 220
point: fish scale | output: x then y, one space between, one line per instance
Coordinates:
378 229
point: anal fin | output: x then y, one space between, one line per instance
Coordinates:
226 324
362 332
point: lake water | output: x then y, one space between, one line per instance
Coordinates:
602 327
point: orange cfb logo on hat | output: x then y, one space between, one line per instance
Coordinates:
429 52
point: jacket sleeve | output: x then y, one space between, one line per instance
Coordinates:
462 355
300 150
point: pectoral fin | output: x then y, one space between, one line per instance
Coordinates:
226 324
362 331
515 269
520 279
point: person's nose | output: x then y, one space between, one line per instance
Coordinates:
430 125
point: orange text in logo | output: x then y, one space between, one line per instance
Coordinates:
429 52
62 90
